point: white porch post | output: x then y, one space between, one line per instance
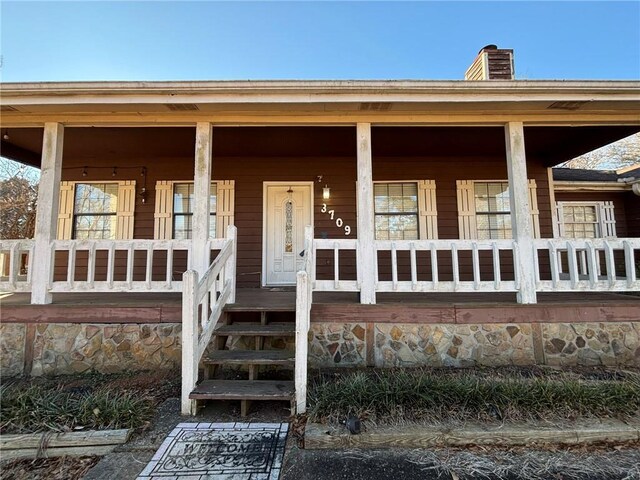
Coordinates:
520 210
366 250
201 193
47 212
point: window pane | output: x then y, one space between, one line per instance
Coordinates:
96 198
182 198
580 221
183 202
182 227
396 208
95 227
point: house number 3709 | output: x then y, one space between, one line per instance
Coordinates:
339 222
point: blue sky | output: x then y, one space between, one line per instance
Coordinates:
314 40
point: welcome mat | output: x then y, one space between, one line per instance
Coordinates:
224 451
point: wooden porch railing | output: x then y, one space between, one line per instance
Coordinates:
135 276
304 299
336 246
15 258
454 249
203 301
594 264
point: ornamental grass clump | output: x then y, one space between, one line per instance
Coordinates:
437 395
39 408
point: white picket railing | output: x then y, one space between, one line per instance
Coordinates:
454 247
119 274
336 246
304 299
15 258
203 301
593 264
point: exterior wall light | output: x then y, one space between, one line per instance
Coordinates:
326 193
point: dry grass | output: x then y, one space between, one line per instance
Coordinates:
422 395
93 401
530 465
61 468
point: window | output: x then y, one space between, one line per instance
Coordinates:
580 221
95 211
493 217
183 199
396 211
586 219
484 209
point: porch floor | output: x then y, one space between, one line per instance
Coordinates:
332 307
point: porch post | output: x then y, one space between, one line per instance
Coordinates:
366 237
201 193
520 210
46 212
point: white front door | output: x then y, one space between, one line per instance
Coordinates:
288 209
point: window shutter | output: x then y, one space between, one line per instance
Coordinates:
428 214
65 211
533 206
607 220
225 206
466 210
163 223
560 219
126 208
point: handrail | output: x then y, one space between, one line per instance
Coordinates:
203 300
12 253
304 299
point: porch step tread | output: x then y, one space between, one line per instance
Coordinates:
243 390
251 357
260 307
269 330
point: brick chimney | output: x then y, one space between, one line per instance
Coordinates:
492 63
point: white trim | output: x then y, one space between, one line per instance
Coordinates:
264 221
571 186
601 220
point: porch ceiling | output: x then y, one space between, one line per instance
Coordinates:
549 145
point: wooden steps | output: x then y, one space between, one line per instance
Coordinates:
257 330
251 357
276 317
244 390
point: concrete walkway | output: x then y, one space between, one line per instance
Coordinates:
128 461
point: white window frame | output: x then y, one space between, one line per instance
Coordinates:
427 207
163 212
126 202
212 215
467 214
605 217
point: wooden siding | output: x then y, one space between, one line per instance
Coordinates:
619 206
339 173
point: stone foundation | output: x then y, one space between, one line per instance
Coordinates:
458 345
12 346
62 348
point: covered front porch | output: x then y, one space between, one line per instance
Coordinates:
446 265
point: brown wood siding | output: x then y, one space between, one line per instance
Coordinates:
339 173
619 205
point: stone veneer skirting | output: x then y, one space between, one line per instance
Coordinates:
59 348
492 344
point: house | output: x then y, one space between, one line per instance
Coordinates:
323 223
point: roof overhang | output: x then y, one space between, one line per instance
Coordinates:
335 102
